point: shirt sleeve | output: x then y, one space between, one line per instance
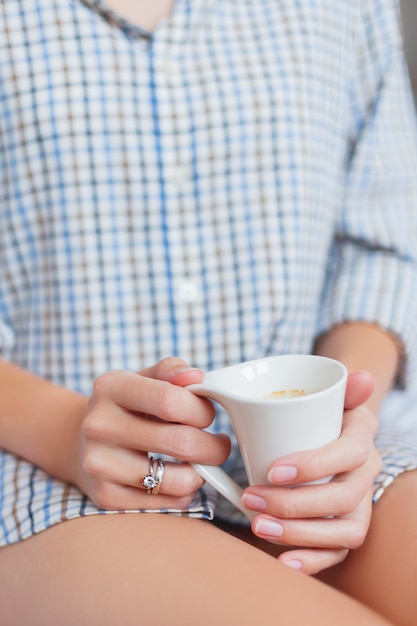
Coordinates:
372 273
7 339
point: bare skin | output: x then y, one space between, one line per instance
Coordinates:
145 569
374 573
143 13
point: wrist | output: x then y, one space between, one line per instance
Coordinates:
40 421
64 462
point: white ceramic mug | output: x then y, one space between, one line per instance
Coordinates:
277 405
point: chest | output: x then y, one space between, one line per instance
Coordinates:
246 100
142 13
232 63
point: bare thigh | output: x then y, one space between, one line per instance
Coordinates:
150 570
383 572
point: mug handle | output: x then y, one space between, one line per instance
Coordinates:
218 479
213 474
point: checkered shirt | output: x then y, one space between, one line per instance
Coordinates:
228 187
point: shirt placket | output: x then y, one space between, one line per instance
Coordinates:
179 222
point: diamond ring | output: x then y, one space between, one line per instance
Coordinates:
152 481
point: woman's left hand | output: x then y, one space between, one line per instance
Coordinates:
324 520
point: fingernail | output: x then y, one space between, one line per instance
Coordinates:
294 564
268 528
256 503
282 474
184 370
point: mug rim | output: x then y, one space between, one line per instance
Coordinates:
295 399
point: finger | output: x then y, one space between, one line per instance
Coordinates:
141 433
360 386
336 498
140 394
350 451
115 497
175 371
346 532
313 561
126 467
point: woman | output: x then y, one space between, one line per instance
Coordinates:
215 181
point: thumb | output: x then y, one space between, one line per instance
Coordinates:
359 388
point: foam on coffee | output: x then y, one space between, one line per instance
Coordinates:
285 393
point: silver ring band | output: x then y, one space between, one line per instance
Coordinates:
159 474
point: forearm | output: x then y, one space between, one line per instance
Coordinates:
39 421
362 346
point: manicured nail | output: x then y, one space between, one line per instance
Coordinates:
255 503
294 564
184 370
268 528
282 474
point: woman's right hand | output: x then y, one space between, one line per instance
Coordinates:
130 414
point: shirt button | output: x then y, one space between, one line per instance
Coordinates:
188 292
178 179
169 67
171 71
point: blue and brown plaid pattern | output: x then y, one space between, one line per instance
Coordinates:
190 192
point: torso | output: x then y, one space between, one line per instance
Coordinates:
181 179
177 194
